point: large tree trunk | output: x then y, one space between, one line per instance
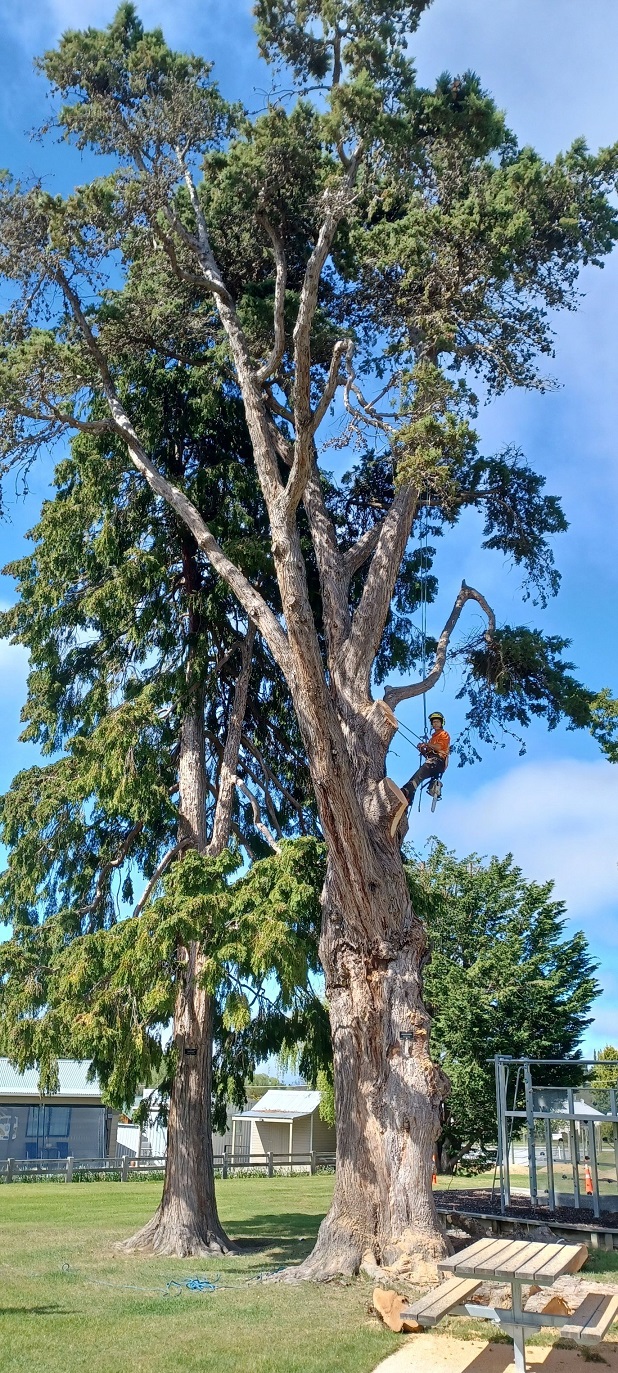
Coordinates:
387 1090
186 1223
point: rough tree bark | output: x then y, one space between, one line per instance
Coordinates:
387 1091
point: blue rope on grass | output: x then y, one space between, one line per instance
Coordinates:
175 1286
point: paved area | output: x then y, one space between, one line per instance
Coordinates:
433 1353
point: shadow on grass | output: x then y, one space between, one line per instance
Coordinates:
52 1310
286 1226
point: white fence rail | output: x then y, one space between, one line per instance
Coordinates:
125 1168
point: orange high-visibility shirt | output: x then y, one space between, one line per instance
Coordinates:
440 743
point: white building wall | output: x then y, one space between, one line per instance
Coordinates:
271 1137
323 1135
301 1135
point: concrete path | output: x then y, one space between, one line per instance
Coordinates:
432 1353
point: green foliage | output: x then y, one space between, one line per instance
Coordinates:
520 674
324 1084
314 37
504 978
604 711
109 995
601 1075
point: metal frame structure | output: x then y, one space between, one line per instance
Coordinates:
541 1110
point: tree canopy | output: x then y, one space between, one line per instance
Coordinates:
447 250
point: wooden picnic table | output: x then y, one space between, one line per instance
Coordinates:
516 1262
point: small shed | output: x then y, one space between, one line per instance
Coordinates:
72 1121
283 1122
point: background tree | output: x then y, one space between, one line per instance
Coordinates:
602 1078
377 245
605 1072
140 689
504 978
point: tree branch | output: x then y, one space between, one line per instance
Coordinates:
368 411
257 817
109 867
227 776
71 421
393 695
372 613
252 602
332 383
270 776
274 358
208 262
333 583
303 420
157 874
355 556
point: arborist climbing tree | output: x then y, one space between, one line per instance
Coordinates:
435 751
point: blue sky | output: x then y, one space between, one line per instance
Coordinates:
551 65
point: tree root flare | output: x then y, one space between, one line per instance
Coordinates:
176 1241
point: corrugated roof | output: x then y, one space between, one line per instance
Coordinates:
279 1104
72 1073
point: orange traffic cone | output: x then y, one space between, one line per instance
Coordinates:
588 1180
434 1175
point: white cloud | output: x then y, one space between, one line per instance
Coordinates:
559 820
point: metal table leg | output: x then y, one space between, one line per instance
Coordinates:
519 1340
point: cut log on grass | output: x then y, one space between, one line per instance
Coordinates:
389 1306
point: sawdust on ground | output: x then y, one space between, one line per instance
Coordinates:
432 1353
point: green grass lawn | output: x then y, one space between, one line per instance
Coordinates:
70 1303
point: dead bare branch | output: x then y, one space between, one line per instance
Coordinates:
393 695
333 381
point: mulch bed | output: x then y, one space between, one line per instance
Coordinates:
482 1201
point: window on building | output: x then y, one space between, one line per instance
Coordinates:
57 1121
32 1124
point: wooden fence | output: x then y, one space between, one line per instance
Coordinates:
125 1168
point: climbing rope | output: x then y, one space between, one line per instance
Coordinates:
174 1286
424 557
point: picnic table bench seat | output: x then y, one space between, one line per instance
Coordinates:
518 1262
592 1319
431 1308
